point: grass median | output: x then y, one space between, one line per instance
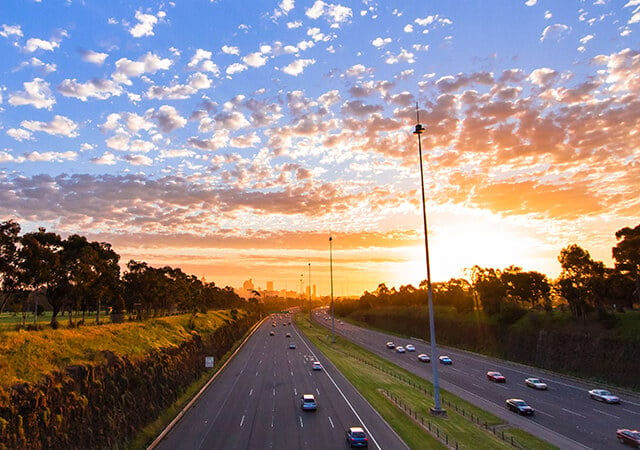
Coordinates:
404 400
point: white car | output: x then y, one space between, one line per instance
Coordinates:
400 349
535 383
391 345
423 357
602 395
410 347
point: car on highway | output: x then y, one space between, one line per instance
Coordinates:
391 345
445 360
308 402
400 349
496 377
410 347
602 395
423 357
288 335
520 406
316 365
292 345
535 383
356 437
271 333
629 437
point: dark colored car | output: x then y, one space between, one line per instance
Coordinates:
629 437
520 406
356 437
496 377
292 346
271 333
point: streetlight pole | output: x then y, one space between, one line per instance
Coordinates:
333 325
309 292
437 409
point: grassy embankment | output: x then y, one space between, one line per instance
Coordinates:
25 356
379 376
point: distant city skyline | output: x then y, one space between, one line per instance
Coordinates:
232 144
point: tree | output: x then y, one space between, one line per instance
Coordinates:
9 260
627 256
581 280
490 289
40 268
526 288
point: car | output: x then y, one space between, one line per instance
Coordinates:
423 357
410 347
288 335
292 345
271 333
535 383
284 324
308 402
391 345
602 395
400 349
496 377
356 437
520 406
273 324
631 437
445 360
316 365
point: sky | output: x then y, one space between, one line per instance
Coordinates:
232 139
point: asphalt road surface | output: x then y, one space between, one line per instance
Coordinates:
254 403
565 415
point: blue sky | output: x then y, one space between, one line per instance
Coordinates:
230 138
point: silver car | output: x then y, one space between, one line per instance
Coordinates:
602 395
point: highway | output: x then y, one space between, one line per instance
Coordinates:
254 402
565 415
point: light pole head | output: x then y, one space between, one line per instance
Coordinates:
419 129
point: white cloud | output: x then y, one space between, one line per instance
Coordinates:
19 134
34 44
93 57
316 10
96 88
235 68
45 68
380 42
403 56
531 2
138 160
145 25
255 59
51 156
10 30
168 118
196 82
201 61
230 50
107 159
298 66
293 25
36 93
149 63
556 32
59 126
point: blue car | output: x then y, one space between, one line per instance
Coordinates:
445 360
356 437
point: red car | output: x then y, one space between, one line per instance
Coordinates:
496 377
631 437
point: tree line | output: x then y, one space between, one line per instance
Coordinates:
584 286
76 276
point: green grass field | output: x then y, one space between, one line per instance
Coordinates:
378 380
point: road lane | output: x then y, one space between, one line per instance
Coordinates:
565 415
254 403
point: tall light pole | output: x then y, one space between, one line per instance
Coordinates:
309 292
333 325
437 409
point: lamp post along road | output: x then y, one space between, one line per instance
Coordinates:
333 326
437 409
309 292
